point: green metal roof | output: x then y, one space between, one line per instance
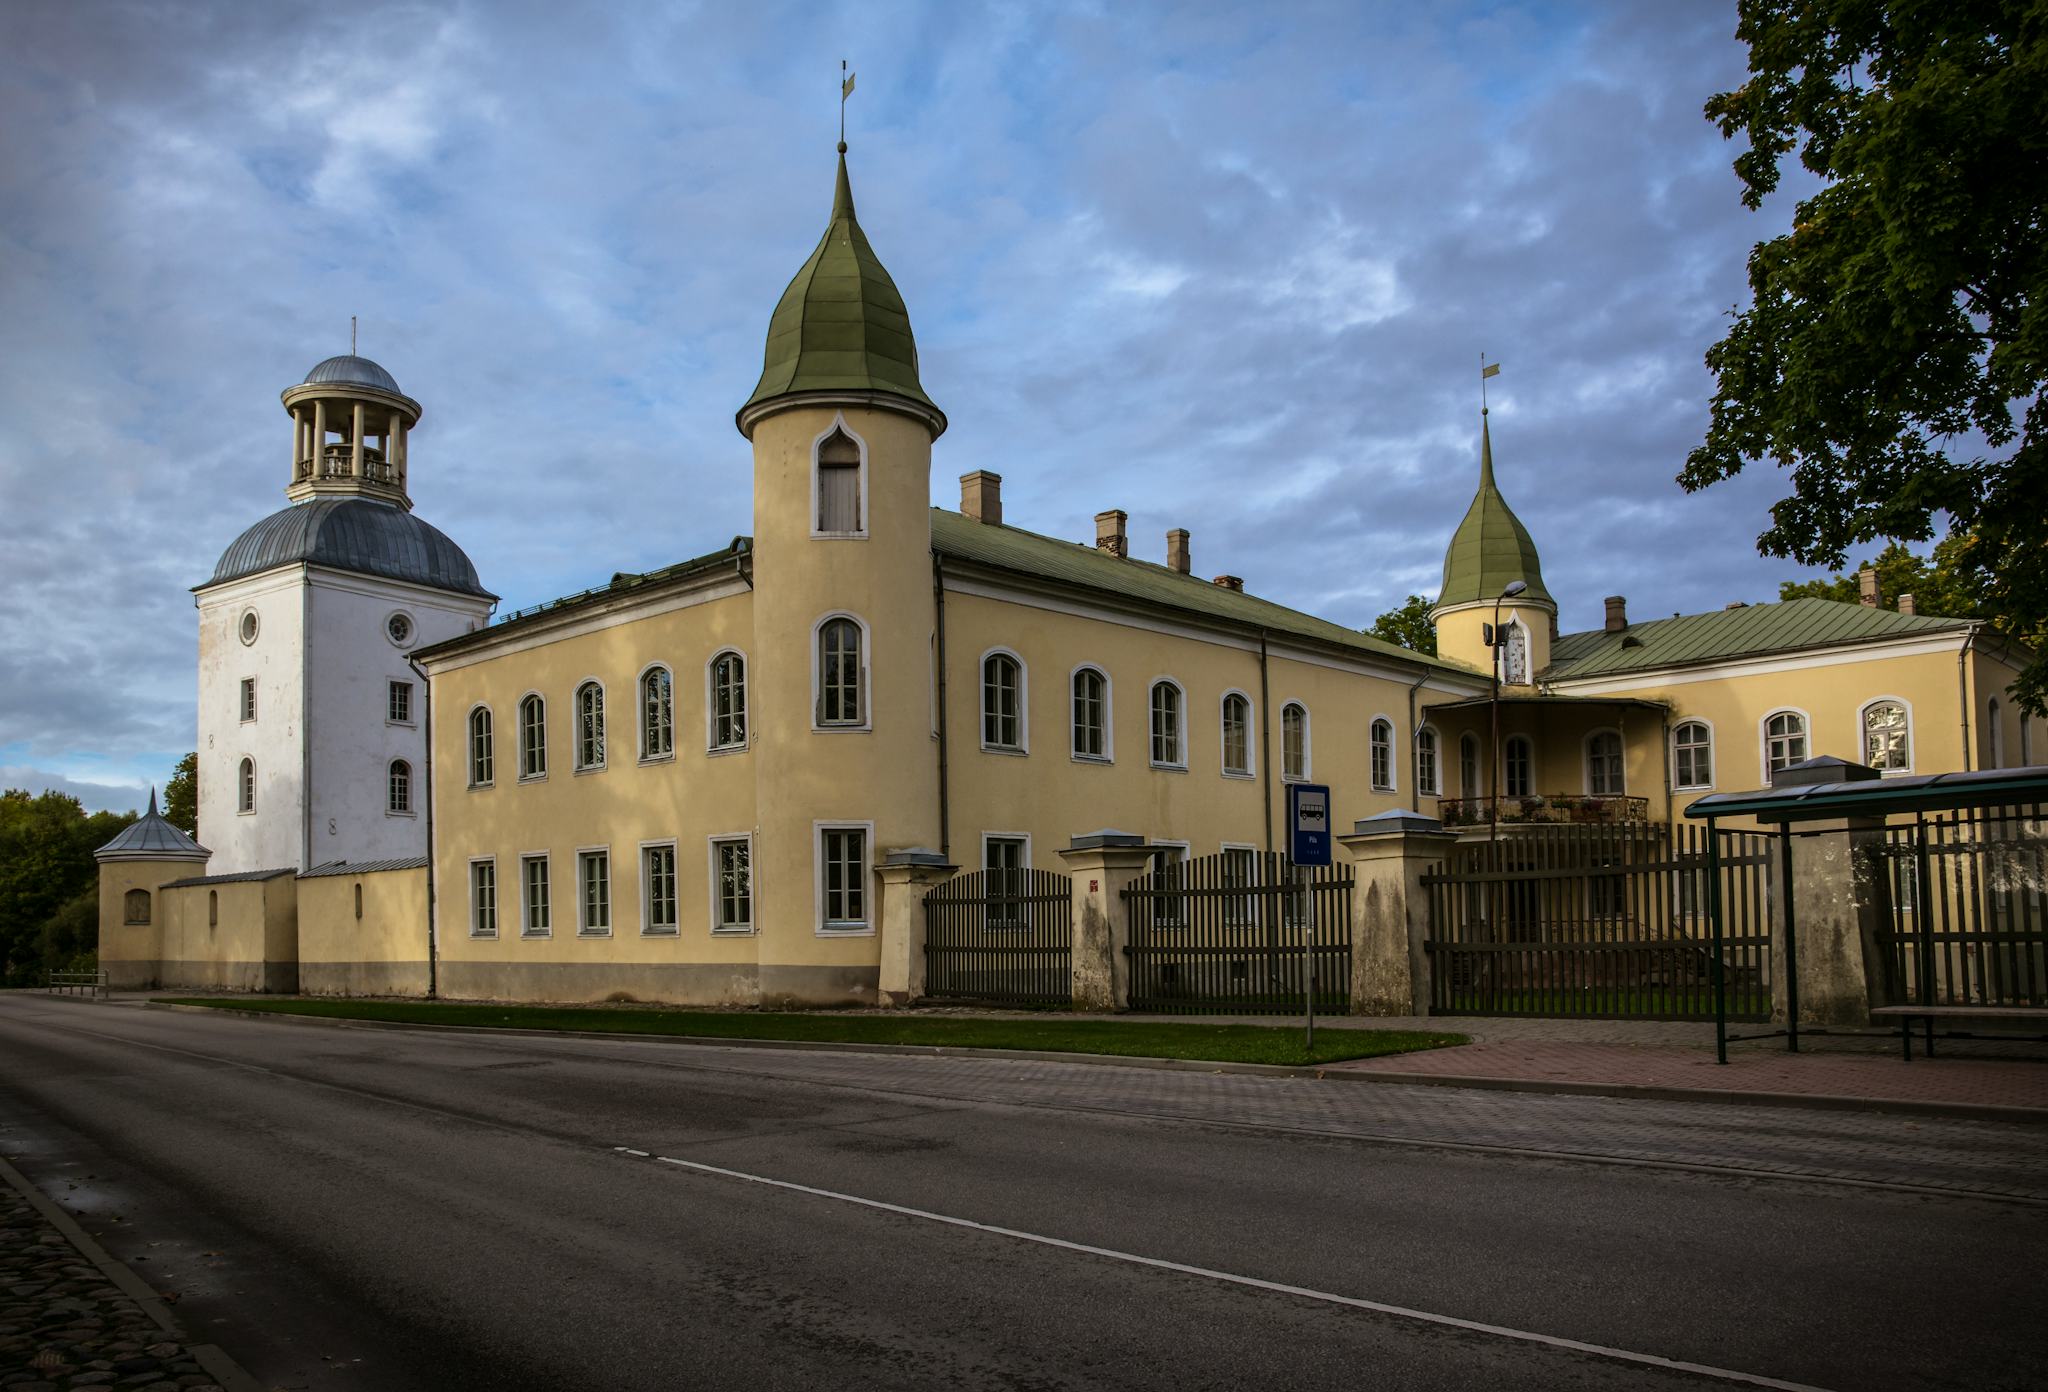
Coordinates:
841 325
1491 547
1755 630
1073 564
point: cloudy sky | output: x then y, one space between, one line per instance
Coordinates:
1228 267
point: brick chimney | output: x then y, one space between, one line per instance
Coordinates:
1230 582
1866 582
1906 605
1617 613
1177 550
1109 532
981 496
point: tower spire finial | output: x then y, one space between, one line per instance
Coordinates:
351 335
845 91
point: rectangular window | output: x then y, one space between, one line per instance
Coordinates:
1240 871
843 876
400 704
1002 859
838 496
1169 873
483 899
1237 741
533 880
594 893
732 886
658 872
248 698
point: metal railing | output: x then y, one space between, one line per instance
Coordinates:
1968 909
1244 932
1582 809
77 983
1001 935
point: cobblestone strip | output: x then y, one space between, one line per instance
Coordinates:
68 1321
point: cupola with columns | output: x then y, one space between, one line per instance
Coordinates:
350 423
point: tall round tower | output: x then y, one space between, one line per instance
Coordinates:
1490 551
844 737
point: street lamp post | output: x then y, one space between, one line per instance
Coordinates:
1497 644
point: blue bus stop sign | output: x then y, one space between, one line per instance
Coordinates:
1308 823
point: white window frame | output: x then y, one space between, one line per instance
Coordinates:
1516 631
411 807
604 716
1250 770
1023 869
392 687
675 873
1308 742
711 744
1180 761
519 736
867 651
1481 774
469 761
1168 913
1863 734
245 786
1108 754
1586 760
476 930
1763 738
640 712
1713 755
864 927
1249 910
1393 783
248 701
1023 744
583 928
526 928
818 443
1433 786
718 927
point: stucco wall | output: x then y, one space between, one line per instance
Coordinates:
270 837
238 936
377 949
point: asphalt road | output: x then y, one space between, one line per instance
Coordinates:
396 1210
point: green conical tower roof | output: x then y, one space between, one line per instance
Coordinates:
1491 547
841 325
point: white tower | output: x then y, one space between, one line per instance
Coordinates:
312 742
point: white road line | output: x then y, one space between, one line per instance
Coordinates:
1648 1360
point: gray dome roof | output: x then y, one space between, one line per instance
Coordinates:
354 534
348 369
150 837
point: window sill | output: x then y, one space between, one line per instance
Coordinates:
737 930
593 932
245 812
1011 750
667 758
390 812
533 778
839 536
491 936
537 933
1241 775
1169 768
1099 760
1377 787
1692 787
661 932
481 787
590 768
403 724
718 750
851 930
865 727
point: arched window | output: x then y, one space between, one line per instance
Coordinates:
1294 741
135 906
728 701
1237 733
1169 748
533 737
1519 775
245 787
1517 657
400 797
589 726
1091 714
1887 738
1468 767
1381 746
657 714
839 673
1692 755
1426 775
481 756
213 908
1002 702
2026 740
1784 742
1994 736
839 485
1605 774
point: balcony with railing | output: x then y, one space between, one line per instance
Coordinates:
1580 809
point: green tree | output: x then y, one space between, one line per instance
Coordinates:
1936 584
46 846
181 795
1408 625
1895 351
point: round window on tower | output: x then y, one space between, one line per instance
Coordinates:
248 626
398 628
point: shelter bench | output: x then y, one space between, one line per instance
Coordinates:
1907 1014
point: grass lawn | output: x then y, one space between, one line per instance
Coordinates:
1139 1039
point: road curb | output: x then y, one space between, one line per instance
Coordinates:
1959 1111
218 1365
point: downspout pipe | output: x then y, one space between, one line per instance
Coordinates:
427 779
939 695
1414 744
1963 692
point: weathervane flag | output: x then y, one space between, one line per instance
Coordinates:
1491 371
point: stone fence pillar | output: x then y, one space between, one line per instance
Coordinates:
1102 863
1840 896
906 876
1390 910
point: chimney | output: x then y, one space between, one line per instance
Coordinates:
981 496
1230 582
1617 613
1906 605
1737 604
1109 532
1177 550
1866 580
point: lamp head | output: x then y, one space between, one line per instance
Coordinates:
1514 588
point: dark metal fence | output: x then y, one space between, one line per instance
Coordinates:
1240 933
1600 921
1003 936
76 983
1966 920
